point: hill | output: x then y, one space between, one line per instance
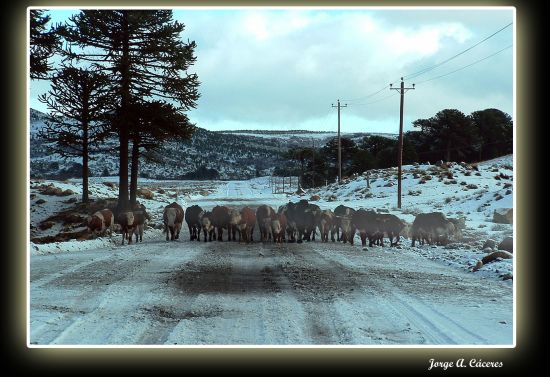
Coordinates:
209 154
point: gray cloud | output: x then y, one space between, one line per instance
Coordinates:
262 68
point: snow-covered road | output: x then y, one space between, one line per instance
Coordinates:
196 293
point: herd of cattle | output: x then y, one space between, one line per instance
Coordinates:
292 222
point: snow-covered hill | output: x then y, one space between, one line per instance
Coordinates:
234 155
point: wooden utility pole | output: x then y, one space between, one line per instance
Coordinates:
313 162
402 91
339 143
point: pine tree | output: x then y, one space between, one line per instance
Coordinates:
495 129
43 44
79 104
450 130
144 53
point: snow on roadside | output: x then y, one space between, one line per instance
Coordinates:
465 258
72 245
98 243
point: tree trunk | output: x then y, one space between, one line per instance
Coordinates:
448 152
301 174
123 132
134 171
85 194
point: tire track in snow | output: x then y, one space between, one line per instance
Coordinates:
48 278
426 320
67 304
317 283
110 306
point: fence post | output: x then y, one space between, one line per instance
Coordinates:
368 179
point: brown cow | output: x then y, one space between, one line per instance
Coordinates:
290 222
316 212
343 216
126 221
301 220
247 223
326 224
392 226
101 221
368 225
348 230
264 215
432 228
173 218
233 227
192 218
140 215
206 224
278 227
220 220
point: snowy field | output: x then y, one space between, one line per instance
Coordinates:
196 293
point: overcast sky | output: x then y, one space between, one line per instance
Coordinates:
264 68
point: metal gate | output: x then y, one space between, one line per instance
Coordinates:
284 185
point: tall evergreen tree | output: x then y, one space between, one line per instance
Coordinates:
495 129
422 144
43 44
143 52
79 104
450 130
301 155
375 143
362 160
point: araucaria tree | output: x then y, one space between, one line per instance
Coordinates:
43 44
143 52
450 131
78 102
495 130
301 155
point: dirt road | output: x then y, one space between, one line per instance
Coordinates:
186 293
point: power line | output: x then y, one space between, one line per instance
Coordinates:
367 96
378 100
422 71
466 66
433 78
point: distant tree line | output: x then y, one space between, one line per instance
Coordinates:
449 135
202 173
274 132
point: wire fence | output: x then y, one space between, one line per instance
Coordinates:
284 185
